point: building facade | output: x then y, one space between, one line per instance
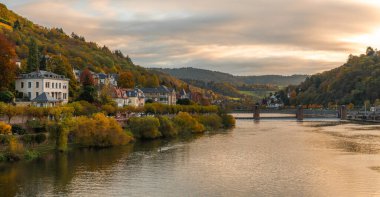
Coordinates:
160 94
128 97
33 84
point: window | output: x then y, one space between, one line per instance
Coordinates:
47 85
59 85
29 84
64 96
22 84
37 94
52 85
29 95
37 84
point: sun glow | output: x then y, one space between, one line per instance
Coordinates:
369 39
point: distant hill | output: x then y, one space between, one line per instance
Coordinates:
220 77
355 82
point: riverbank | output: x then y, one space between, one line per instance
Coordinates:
99 131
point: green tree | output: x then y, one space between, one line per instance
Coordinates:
33 57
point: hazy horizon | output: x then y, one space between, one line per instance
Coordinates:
282 37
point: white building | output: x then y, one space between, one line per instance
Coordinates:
33 84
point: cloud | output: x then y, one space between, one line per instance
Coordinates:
240 37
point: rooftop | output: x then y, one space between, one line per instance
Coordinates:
44 98
41 74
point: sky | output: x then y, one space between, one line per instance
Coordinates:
241 37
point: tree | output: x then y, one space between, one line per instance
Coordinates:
152 81
126 80
33 57
370 51
86 78
6 96
43 63
7 65
88 94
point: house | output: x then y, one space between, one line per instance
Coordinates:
45 100
128 97
34 84
136 97
184 95
161 94
119 96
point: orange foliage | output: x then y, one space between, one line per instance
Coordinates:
7 64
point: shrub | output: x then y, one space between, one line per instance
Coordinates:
14 146
35 126
27 139
228 121
6 96
99 131
211 122
4 139
5 129
2 157
31 155
186 123
40 138
145 127
18 129
167 127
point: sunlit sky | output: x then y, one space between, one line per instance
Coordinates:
242 37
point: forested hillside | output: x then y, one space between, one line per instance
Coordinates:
355 82
60 52
219 77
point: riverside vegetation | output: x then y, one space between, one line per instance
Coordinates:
81 124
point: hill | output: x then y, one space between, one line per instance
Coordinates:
74 52
220 77
356 82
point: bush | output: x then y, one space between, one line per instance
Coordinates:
31 155
4 139
33 138
167 127
2 157
18 129
186 123
40 138
27 139
5 128
6 96
145 127
15 147
211 122
228 121
35 126
99 131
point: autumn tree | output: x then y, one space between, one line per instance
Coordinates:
126 80
88 92
7 65
86 78
33 57
152 81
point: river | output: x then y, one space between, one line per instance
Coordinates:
266 158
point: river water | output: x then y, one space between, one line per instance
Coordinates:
266 158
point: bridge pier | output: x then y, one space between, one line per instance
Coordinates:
299 112
256 112
343 112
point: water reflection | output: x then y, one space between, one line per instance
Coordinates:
265 158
